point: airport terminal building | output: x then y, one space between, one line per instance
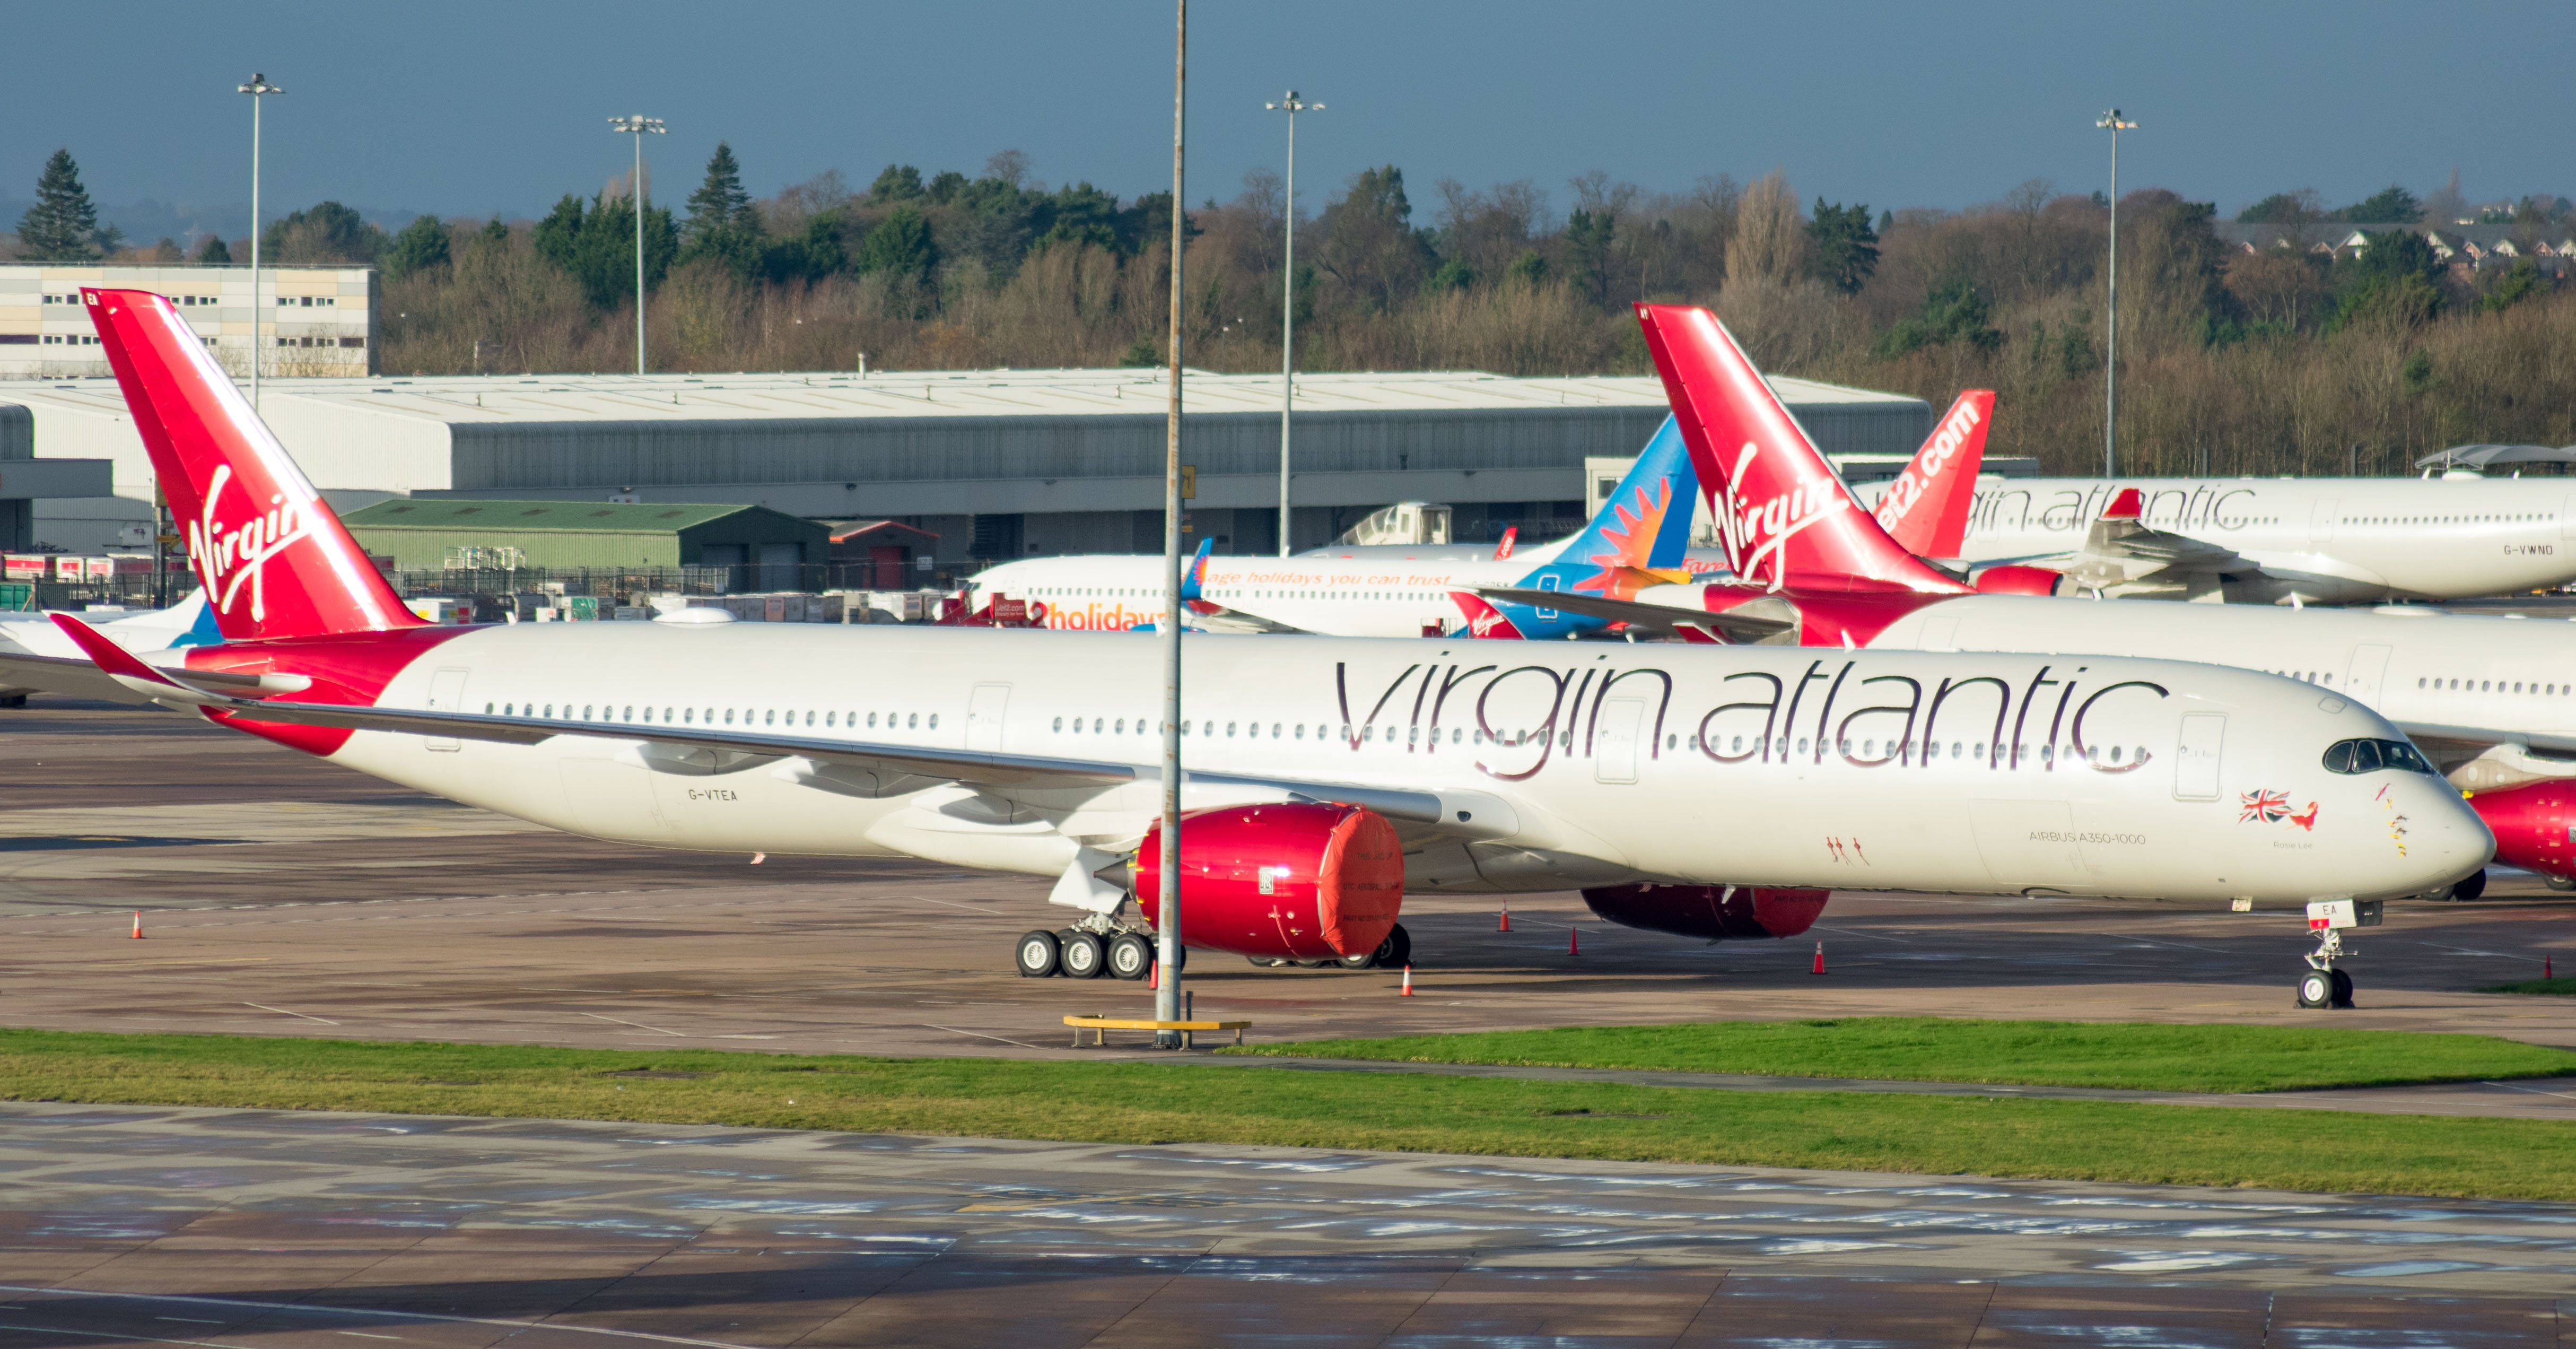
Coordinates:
998 463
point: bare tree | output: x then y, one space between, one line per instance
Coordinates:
1768 245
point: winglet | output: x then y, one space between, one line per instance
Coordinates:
120 665
1483 619
2127 506
1194 573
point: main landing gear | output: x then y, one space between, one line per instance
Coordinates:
1083 953
1395 952
2323 985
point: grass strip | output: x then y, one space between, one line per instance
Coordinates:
2563 988
1172 1102
2141 1056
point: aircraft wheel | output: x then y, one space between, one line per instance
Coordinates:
2471 888
2316 989
1266 962
1130 957
1391 953
2341 996
1080 955
2559 882
1036 954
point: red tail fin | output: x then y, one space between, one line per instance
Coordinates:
1483 619
1503 550
1926 508
274 559
1780 509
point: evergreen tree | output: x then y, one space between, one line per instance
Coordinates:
1846 248
899 182
899 245
422 243
1587 252
722 223
720 203
326 232
596 244
62 226
213 253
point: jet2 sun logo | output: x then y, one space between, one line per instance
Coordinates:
241 553
1629 545
2265 806
1759 531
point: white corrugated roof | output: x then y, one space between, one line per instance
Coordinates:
936 393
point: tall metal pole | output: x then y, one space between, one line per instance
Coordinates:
258 86
1292 105
638 125
2111 364
1167 935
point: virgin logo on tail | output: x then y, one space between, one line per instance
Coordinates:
1926 509
274 559
1780 509
241 553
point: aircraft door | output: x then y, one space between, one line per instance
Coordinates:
2026 845
446 694
2368 671
1614 740
2197 756
984 716
2321 525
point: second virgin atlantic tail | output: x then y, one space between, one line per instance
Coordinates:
274 558
1782 514
1926 509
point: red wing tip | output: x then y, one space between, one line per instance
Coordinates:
2126 505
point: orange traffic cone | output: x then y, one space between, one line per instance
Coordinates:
1573 941
758 858
1820 957
1507 919
1408 983
1154 975
138 924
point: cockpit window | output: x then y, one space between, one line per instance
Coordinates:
2370 756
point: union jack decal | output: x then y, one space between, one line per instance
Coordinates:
2268 807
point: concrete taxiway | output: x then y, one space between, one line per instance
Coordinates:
252 1228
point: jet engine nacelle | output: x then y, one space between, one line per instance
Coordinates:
2017 580
1716 912
2531 824
1298 881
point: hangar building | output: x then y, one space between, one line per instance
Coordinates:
998 463
435 534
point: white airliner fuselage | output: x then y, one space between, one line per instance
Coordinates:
1551 767
1343 597
2329 540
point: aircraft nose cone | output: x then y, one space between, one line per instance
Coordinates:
2443 837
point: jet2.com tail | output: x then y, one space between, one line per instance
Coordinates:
1641 538
275 560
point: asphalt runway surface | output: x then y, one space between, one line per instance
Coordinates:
253 1229
283 896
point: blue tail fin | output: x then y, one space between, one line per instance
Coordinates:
1640 538
1194 572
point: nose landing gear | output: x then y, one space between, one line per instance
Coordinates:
2324 985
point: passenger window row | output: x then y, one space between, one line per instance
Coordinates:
691 716
2496 686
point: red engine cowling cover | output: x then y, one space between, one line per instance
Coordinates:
1717 912
1293 882
2532 824
2018 581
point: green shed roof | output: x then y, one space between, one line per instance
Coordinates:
539 516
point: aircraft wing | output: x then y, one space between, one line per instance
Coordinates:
23 671
1658 617
1219 618
1463 814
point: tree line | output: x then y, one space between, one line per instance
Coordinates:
2292 356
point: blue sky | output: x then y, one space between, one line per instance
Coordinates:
474 107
